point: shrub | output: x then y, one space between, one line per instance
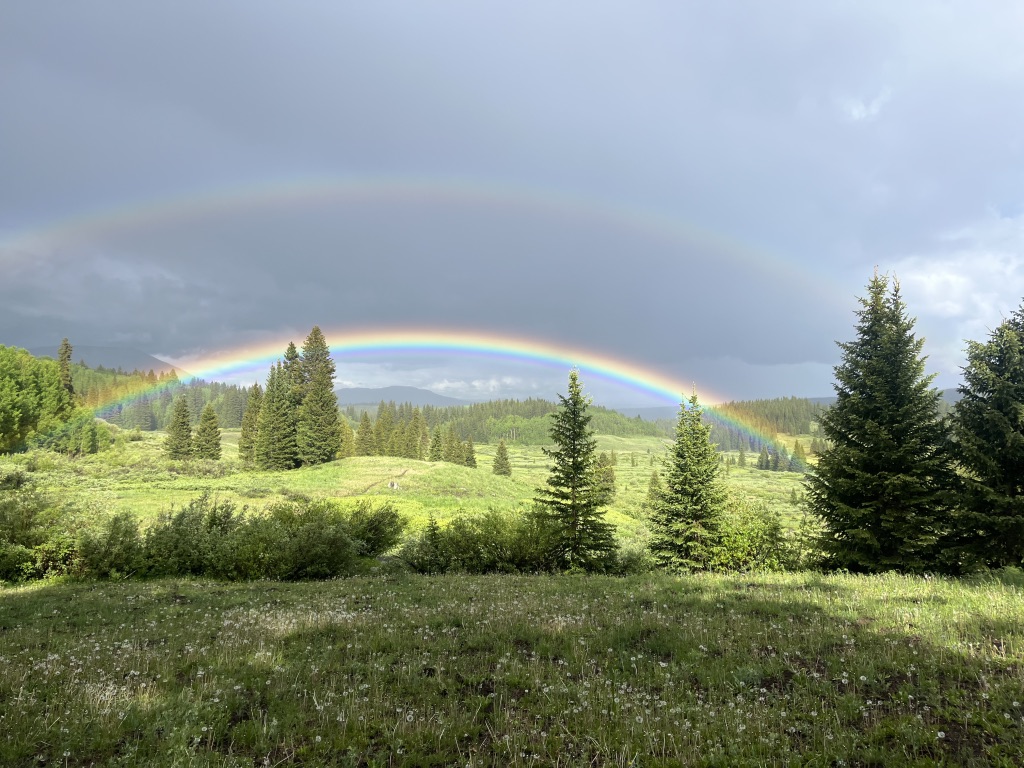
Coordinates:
256 549
375 530
317 543
12 479
494 542
16 561
187 542
751 538
116 550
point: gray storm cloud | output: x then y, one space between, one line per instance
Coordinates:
794 145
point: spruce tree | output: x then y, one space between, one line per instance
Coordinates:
293 375
436 451
451 447
469 454
881 486
686 515
366 444
383 428
64 362
346 439
250 420
178 444
988 424
206 444
275 432
317 436
572 499
502 465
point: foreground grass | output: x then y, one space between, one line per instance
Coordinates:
716 670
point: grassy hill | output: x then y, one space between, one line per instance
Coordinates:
135 476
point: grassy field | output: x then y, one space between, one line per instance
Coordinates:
136 477
515 671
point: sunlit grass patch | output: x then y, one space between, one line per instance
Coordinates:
730 670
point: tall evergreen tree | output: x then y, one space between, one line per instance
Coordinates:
469 454
686 515
383 427
293 375
606 476
317 434
451 446
206 444
275 432
346 439
882 485
178 444
573 496
366 443
436 451
988 423
64 353
250 420
502 465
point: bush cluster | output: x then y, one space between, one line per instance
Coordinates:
500 542
208 537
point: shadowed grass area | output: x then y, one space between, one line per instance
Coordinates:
654 670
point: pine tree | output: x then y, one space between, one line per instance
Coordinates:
451 447
317 436
988 423
250 420
64 361
383 428
275 432
366 444
687 514
206 444
502 465
654 488
293 375
573 496
178 444
742 462
606 476
469 454
764 461
436 452
882 485
346 439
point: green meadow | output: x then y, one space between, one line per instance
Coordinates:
737 670
136 477
390 668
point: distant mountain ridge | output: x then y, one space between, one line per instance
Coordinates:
126 359
414 395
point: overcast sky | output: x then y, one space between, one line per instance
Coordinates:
700 189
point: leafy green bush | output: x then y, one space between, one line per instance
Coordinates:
185 543
751 539
12 479
117 550
16 561
494 542
317 544
375 530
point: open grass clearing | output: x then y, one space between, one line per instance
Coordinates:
389 670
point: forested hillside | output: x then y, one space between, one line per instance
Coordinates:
516 421
143 400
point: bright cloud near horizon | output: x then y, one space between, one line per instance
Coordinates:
698 190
